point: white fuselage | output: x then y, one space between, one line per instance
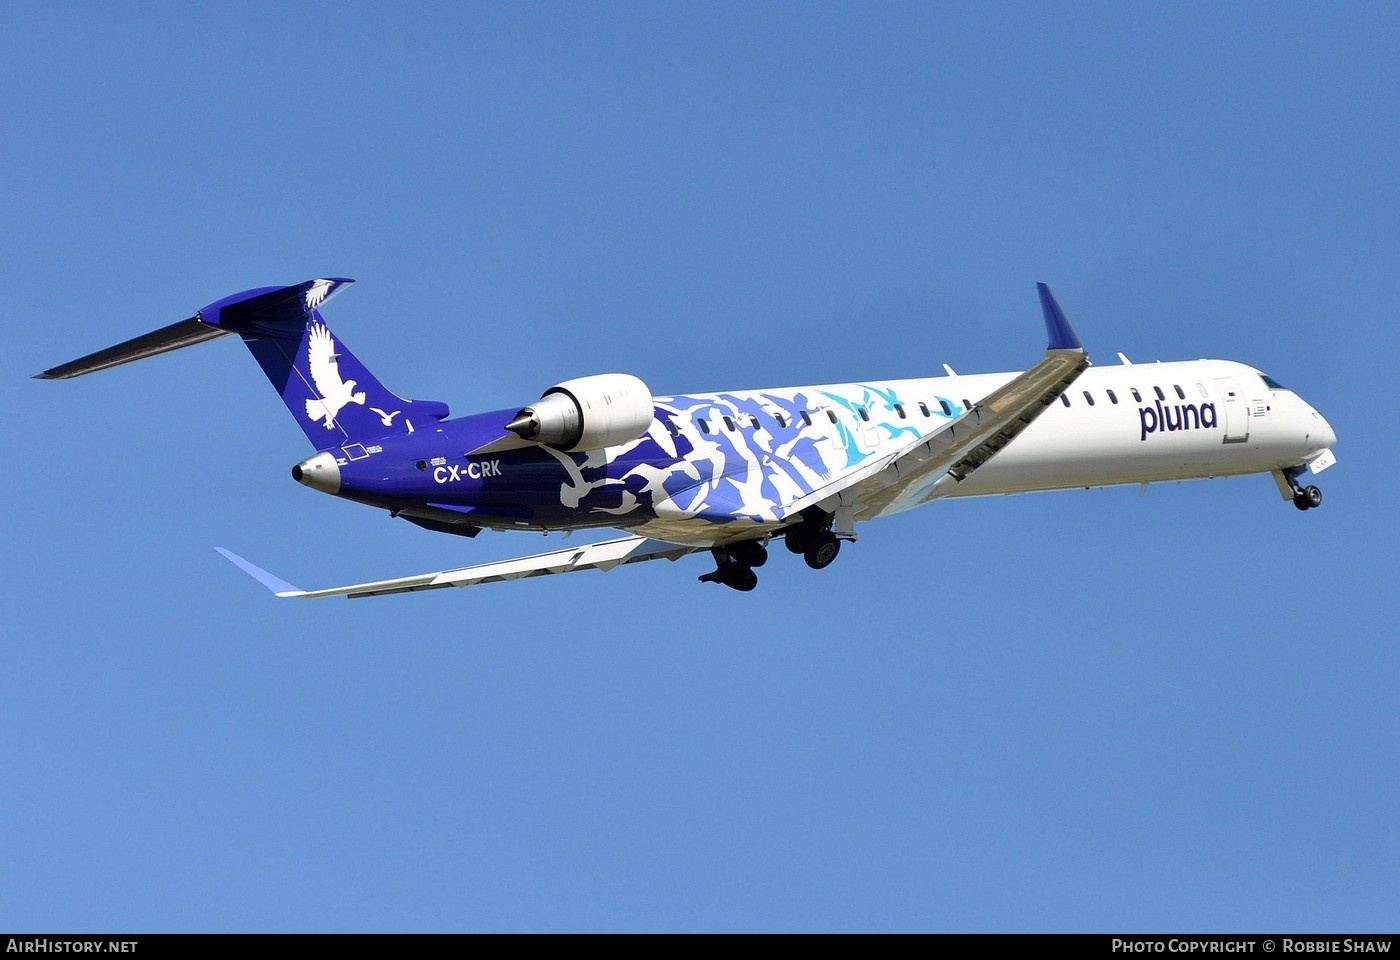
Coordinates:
1126 424
1136 423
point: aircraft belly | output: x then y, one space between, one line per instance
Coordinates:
691 533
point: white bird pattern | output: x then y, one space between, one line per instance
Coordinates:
388 418
316 293
325 373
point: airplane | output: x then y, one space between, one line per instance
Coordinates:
733 472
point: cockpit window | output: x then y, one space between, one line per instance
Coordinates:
1271 383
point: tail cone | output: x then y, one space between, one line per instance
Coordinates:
320 472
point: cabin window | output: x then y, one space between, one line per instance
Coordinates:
1064 398
1201 389
753 421
779 417
899 409
864 414
806 418
967 405
728 424
923 408
1089 398
1112 397
946 407
704 424
1180 393
1160 394
1136 396
831 415
672 429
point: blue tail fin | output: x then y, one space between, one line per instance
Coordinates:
334 398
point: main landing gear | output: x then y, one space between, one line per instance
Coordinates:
1304 498
813 538
817 544
734 563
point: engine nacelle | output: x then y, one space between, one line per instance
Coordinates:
588 413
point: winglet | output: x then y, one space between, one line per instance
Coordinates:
1062 335
276 584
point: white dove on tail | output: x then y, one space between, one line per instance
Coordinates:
316 293
325 373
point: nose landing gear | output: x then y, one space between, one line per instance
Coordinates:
1304 498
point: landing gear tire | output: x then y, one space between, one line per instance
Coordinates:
741 578
795 541
821 551
749 553
734 575
1305 498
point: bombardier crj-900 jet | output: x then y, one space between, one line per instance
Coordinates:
731 473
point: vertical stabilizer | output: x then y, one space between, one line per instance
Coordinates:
330 393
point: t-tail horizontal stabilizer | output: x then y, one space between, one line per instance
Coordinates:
593 556
333 397
186 333
264 311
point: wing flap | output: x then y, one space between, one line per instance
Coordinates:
594 556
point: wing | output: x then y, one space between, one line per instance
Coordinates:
949 454
320 357
599 556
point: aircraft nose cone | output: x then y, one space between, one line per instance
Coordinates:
1321 433
320 472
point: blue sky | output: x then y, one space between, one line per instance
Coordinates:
1075 711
